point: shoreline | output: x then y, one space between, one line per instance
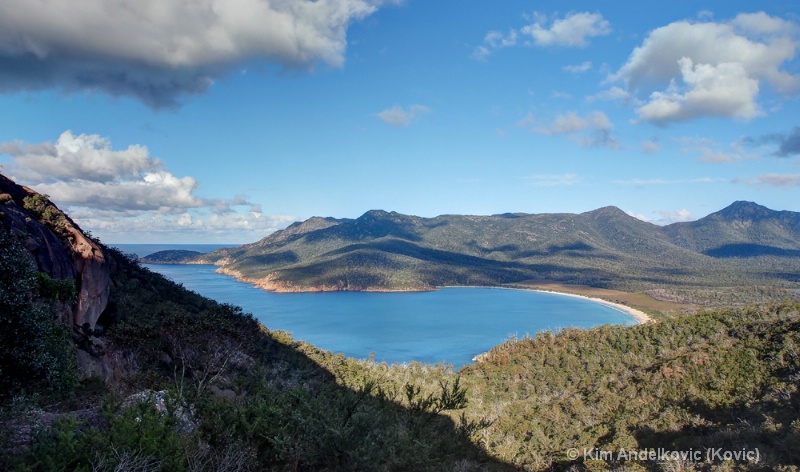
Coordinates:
269 286
640 316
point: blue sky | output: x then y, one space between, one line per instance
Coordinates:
222 121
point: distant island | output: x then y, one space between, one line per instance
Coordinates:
171 256
745 244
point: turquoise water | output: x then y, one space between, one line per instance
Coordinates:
449 325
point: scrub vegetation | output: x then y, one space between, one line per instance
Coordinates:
168 380
203 386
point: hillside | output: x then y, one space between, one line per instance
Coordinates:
154 377
744 244
172 381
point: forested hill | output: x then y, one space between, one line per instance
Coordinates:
743 244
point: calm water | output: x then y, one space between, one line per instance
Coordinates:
450 325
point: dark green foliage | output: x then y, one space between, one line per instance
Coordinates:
36 353
134 437
715 379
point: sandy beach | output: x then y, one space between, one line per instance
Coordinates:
639 315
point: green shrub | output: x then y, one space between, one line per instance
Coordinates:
36 352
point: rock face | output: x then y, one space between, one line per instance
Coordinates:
59 248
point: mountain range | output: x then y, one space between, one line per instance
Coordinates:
743 244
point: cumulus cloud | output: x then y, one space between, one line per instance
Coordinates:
82 157
402 117
574 31
570 31
84 170
724 90
688 70
161 50
591 130
122 193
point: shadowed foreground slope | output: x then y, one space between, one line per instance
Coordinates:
165 379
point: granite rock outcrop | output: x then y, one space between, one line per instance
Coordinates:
59 248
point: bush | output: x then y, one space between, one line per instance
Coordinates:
36 353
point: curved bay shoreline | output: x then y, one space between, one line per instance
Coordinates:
638 315
271 286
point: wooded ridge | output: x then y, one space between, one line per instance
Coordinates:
743 244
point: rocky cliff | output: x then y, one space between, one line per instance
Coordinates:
59 248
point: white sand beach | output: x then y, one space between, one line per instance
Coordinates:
639 315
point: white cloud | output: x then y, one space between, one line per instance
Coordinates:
84 170
687 70
570 31
723 90
591 130
402 117
496 39
578 68
612 94
552 180
674 216
160 50
665 217
153 227
128 195
82 157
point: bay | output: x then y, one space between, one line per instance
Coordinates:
449 325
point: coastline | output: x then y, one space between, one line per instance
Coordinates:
269 285
638 315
